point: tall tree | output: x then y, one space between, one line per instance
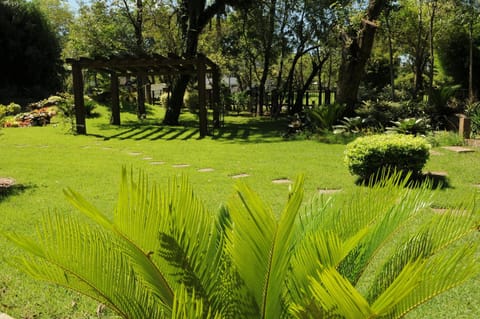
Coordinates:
193 16
356 50
30 56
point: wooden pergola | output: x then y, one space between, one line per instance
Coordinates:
116 66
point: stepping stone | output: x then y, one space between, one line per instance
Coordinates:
157 163
328 191
439 173
435 153
6 182
134 153
239 175
5 316
476 185
453 211
203 170
458 149
181 165
147 158
282 181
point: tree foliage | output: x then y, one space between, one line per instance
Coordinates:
163 255
30 54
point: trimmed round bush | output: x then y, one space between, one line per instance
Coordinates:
369 155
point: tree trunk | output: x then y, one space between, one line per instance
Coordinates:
175 102
267 55
316 69
355 54
390 54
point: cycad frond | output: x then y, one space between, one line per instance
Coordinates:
92 261
260 246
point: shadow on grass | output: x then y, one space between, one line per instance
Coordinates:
13 190
236 128
428 180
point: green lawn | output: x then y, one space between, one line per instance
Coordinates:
47 160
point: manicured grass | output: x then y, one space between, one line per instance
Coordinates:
44 161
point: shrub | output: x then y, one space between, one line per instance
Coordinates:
191 101
444 138
366 156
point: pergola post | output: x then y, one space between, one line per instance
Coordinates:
115 119
142 113
202 100
216 97
78 99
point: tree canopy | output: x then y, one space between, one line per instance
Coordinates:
30 54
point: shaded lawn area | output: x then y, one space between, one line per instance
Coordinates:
44 161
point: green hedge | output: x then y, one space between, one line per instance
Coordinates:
368 155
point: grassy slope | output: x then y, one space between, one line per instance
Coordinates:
46 160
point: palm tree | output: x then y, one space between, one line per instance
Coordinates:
163 255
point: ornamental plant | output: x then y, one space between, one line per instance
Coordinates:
163 255
369 155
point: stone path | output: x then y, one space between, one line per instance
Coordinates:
458 149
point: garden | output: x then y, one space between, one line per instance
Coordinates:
45 161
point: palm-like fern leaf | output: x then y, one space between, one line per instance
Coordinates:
260 245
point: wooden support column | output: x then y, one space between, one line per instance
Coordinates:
216 97
202 98
77 75
141 112
115 119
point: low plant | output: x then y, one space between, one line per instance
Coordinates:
10 109
473 112
163 255
369 155
325 116
191 101
413 126
349 125
444 138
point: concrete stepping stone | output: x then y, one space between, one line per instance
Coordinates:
458 149
134 153
282 181
6 182
329 191
205 170
157 163
148 158
180 165
438 173
242 175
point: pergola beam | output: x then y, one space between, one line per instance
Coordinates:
142 66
